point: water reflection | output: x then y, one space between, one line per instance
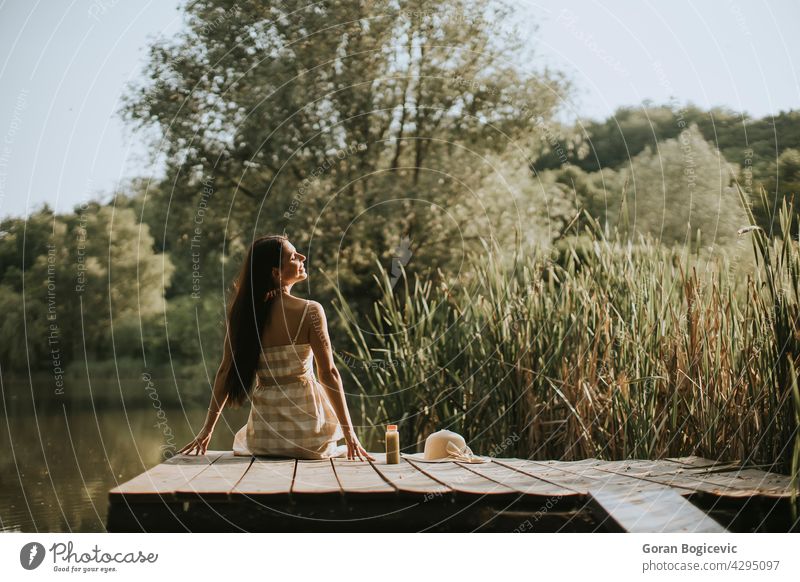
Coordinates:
60 460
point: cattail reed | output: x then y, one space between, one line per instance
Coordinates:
606 349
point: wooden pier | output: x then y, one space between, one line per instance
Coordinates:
219 492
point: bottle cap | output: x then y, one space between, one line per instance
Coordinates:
391 427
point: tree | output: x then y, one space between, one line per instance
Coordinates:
342 123
684 185
66 279
783 183
125 280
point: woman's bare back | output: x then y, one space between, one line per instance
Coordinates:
285 318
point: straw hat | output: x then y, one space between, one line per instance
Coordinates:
443 446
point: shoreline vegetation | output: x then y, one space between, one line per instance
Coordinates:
608 350
597 347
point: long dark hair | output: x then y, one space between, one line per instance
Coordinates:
249 314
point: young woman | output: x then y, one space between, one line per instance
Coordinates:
267 359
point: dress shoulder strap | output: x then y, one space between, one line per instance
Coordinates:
302 319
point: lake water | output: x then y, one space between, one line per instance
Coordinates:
64 448
62 456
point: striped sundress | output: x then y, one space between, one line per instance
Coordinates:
290 413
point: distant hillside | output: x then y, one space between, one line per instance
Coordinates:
766 151
611 143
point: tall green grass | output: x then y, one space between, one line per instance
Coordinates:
609 350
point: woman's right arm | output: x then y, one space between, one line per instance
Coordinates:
218 395
218 399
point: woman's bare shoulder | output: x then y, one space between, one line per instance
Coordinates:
315 308
298 305
294 303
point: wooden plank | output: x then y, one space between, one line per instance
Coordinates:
406 478
582 478
688 481
638 484
216 482
519 482
695 475
557 464
664 467
312 476
695 461
639 470
460 479
654 511
164 479
360 477
718 479
751 481
577 482
266 477
647 467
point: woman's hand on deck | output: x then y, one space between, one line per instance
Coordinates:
354 448
199 444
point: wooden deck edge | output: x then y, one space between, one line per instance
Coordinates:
698 468
624 509
119 493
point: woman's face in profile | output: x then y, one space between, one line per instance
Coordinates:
293 267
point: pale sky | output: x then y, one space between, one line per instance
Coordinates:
64 65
